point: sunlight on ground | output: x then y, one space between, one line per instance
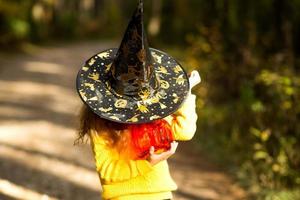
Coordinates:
38 112
45 95
69 172
18 192
40 136
48 68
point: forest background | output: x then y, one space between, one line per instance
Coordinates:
247 53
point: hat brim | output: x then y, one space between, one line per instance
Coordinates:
95 91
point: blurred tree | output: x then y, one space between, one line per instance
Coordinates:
98 4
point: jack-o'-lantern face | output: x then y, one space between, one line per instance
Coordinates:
164 84
121 103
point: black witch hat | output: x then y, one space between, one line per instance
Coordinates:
135 83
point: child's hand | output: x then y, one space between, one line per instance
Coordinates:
156 158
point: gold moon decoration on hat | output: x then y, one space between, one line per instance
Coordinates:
121 103
164 84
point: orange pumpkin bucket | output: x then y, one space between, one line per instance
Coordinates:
157 134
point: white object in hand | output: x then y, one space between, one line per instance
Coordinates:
194 78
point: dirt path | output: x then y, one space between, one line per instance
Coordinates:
37 156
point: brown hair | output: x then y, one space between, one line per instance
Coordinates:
89 122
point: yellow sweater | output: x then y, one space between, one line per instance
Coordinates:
127 179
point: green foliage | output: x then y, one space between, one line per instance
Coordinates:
14 26
40 20
250 120
283 195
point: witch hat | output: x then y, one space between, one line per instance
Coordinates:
134 83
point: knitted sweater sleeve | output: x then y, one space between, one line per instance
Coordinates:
183 121
111 167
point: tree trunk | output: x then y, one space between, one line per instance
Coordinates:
98 4
284 29
278 13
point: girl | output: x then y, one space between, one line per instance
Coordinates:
125 177
138 103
